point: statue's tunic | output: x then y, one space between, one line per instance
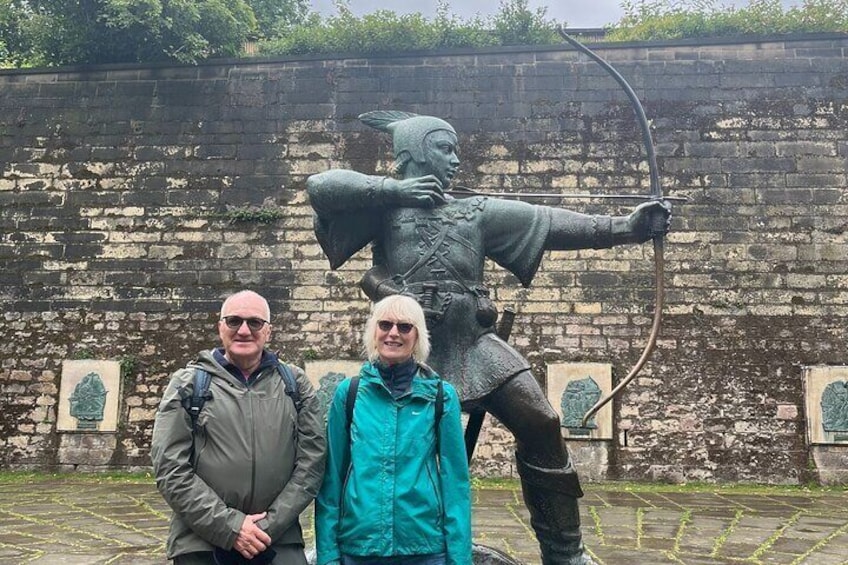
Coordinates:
438 255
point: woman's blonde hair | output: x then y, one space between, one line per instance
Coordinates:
403 309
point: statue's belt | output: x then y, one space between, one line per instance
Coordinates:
419 288
436 297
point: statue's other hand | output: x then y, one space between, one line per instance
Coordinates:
651 219
417 192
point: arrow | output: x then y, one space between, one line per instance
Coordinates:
462 192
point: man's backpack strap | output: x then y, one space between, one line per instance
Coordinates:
193 402
199 395
200 391
291 385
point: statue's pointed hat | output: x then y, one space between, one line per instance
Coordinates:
408 130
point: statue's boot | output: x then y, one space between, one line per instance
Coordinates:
551 496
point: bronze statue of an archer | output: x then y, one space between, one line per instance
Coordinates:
432 246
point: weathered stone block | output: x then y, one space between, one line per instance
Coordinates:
86 449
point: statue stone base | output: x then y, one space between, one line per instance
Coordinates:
482 555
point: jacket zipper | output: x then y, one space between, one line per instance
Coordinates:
249 393
343 507
440 509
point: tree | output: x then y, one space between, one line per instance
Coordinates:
276 17
516 24
64 32
11 42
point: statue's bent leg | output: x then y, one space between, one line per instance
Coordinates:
554 514
548 479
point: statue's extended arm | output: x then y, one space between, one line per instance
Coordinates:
342 190
571 230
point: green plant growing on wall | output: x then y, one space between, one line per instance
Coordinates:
128 364
264 215
83 353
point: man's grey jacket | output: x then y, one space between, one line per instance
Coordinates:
254 452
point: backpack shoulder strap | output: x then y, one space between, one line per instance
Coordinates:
440 402
193 402
290 384
199 396
440 391
439 410
350 400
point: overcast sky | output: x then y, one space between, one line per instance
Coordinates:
575 13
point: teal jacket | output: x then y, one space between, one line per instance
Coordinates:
384 493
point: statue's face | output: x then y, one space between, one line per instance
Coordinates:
440 158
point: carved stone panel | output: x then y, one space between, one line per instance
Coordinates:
826 396
573 388
326 375
89 395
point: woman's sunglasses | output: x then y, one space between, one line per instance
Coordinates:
403 327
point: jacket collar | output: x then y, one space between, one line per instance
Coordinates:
423 383
398 378
215 363
268 360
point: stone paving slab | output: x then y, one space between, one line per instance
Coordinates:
110 523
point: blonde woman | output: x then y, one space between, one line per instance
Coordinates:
396 488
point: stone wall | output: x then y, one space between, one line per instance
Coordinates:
132 199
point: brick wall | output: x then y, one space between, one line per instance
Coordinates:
118 186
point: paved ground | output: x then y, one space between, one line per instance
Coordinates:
111 523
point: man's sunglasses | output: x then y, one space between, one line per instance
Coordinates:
235 322
403 327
